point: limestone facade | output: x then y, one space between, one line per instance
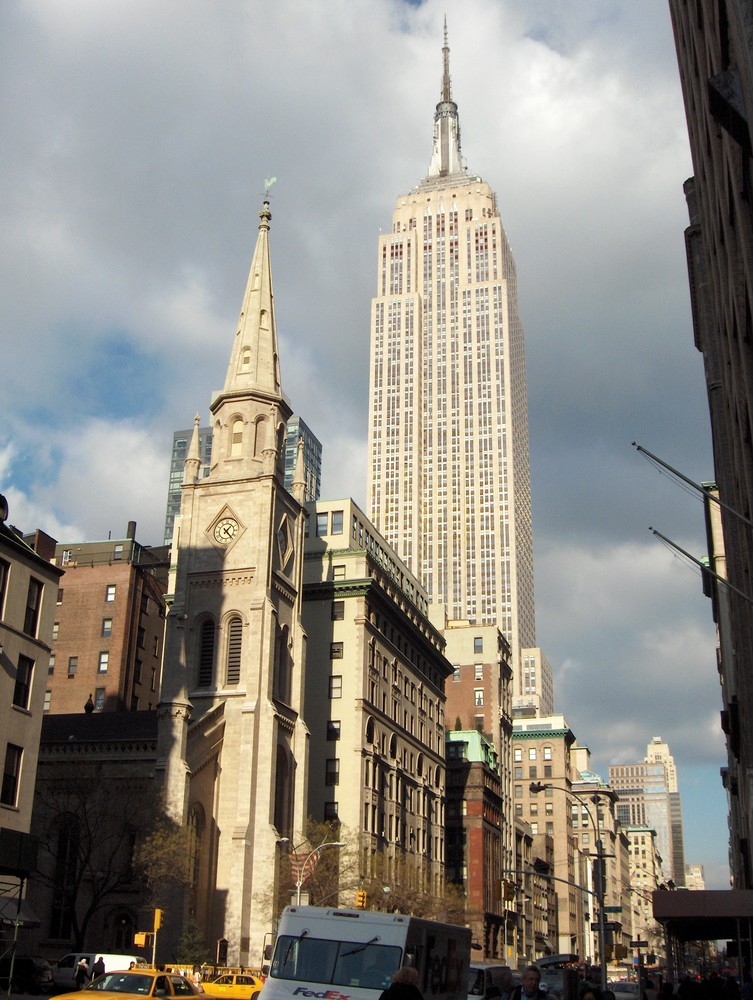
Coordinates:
233 748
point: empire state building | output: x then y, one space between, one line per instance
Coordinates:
448 478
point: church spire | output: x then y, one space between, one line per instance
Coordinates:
250 412
254 362
445 157
192 463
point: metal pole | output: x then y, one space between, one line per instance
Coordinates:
600 857
600 886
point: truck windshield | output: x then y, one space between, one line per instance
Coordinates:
340 963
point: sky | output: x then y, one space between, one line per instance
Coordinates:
136 139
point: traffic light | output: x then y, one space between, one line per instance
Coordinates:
361 899
509 889
600 877
157 919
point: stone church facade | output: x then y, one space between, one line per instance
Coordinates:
232 745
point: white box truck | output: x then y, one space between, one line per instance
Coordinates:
341 954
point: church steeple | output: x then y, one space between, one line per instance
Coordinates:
445 157
250 412
254 362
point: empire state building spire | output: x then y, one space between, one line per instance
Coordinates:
445 157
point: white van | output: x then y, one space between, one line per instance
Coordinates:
64 971
483 975
352 954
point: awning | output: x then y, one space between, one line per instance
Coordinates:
704 915
9 912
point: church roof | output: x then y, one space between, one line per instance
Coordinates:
99 727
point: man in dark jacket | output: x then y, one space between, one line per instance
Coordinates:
529 988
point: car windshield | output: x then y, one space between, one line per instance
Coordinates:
124 982
341 963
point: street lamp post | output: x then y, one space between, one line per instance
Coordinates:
599 869
304 870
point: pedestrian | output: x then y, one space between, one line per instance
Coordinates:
81 974
404 985
591 992
98 969
529 988
506 984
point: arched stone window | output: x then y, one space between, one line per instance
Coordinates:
123 928
205 665
283 811
236 438
260 425
66 872
245 364
195 834
370 730
283 665
234 650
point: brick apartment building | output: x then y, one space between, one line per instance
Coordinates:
108 630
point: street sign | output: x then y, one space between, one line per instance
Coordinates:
639 944
613 909
609 925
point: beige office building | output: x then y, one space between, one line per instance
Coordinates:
448 477
542 754
374 697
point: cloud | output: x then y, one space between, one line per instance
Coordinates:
133 168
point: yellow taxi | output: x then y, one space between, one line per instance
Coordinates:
137 982
234 986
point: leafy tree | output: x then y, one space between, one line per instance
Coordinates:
192 950
403 883
102 833
161 857
333 868
340 872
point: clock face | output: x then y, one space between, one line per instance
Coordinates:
225 530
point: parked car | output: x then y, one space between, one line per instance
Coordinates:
482 975
30 975
235 986
624 990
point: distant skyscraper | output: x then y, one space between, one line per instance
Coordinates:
312 457
296 429
648 796
448 478
181 440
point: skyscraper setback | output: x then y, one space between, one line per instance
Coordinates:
448 478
